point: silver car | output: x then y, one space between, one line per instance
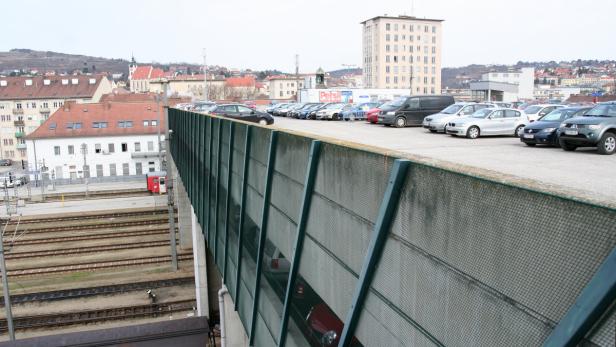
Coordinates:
438 122
489 121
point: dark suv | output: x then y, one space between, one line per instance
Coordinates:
412 110
597 128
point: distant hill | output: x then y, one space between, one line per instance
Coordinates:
27 60
342 72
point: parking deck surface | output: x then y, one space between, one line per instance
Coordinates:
582 174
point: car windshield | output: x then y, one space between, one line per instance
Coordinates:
452 109
395 103
532 109
483 113
602 111
554 116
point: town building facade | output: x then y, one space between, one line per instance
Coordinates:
402 52
26 102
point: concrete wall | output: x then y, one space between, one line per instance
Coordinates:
467 262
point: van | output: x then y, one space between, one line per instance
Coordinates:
411 110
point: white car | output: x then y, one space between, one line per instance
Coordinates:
438 122
489 121
534 112
332 111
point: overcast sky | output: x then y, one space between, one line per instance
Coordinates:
266 34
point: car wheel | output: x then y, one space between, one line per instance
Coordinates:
519 131
432 130
472 132
263 121
530 144
400 122
567 146
335 116
607 144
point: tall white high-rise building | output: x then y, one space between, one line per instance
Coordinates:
402 52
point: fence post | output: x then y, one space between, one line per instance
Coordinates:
219 160
375 249
228 200
311 170
209 185
594 300
240 224
271 159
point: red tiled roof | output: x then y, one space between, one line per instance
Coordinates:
142 73
131 97
588 98
240 81
157 73
57 87
110 112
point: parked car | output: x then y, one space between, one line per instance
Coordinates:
270 109
359 111
438 122
544 131
332 111
535 112
305 112
202 106
241 112
292 109
412 110
282 110
597 128
489 121
372 115
296 112
6 162
313 112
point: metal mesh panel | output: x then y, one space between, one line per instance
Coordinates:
605 335
353 179
467 222
222 190
263 335
259 144
381 325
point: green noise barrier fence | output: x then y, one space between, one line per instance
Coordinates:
321 244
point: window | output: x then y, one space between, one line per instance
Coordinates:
395 79
18 105
433 29
497 114
387 69
396 26
150 146
138 169
112 170
386 79
125 171
154 123
124 147
512 114
97 148
387 37
146 123
151 166
71 149
111 148
99 125
396 38
387 48
395 58
76 125
99 170
56 150
386 60
69 125
52 126
433 39
137 146
387 26
426 29
125 124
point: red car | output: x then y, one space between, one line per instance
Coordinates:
372 115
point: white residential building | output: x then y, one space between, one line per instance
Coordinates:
511 85
26 102
97 140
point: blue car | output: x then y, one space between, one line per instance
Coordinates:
359 111
545 130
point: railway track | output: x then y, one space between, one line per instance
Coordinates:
90 226
98 236
100 315
111 214
85 250
76 293
90 266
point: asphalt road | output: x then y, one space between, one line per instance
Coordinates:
582 174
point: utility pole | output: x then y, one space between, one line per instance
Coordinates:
297 76
5 287
84 151
160 153
205 89
169 182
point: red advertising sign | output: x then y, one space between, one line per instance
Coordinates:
329 96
